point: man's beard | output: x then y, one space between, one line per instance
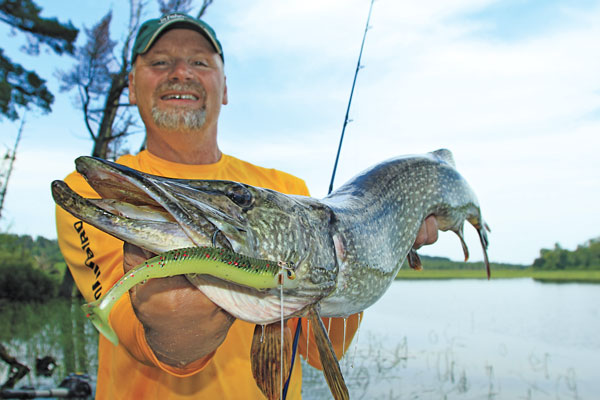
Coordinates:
180 119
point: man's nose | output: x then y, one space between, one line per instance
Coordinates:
181 71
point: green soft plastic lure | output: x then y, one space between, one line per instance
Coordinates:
220 263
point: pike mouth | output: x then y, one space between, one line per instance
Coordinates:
130 208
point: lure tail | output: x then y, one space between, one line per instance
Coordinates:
99 317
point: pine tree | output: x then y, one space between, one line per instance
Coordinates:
19 87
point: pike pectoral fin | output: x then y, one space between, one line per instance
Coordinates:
331 367
265 358
461 235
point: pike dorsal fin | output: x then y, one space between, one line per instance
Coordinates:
445 155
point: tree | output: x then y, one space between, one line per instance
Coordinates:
6 172
101 78
19 87
585 256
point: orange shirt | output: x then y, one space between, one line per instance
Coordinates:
131 369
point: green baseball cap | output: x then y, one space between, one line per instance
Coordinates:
151 30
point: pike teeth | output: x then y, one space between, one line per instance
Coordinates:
180 97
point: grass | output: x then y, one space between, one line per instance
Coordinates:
545 276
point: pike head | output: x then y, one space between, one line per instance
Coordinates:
160 214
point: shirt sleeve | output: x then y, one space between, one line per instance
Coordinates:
95 260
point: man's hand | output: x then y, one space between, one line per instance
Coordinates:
182 325
428 233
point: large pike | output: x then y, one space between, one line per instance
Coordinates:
340 253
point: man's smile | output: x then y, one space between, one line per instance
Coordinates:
180 96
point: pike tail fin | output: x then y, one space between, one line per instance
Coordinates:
331 367
99 317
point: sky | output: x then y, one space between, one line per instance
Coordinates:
511 87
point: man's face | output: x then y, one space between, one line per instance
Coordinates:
179 83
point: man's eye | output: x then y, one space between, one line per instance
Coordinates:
159 63
200 63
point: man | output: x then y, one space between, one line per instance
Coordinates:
174 343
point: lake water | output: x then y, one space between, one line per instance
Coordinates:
475 339
451 339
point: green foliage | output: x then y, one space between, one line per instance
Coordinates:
25 246
553 276
24 15
28 268
586 256
20 87
443 263
25 283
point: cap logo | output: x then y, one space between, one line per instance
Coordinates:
166 18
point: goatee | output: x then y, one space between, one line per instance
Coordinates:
180 119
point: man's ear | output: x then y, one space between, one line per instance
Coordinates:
225 99
132 98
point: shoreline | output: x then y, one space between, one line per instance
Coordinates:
572 276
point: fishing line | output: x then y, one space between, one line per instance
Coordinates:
337 157
294 346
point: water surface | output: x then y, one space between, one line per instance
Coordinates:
474 339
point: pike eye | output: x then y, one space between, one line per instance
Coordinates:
240 196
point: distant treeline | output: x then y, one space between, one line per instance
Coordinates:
586 256
445 263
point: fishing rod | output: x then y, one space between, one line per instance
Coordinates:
337 157
346 119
